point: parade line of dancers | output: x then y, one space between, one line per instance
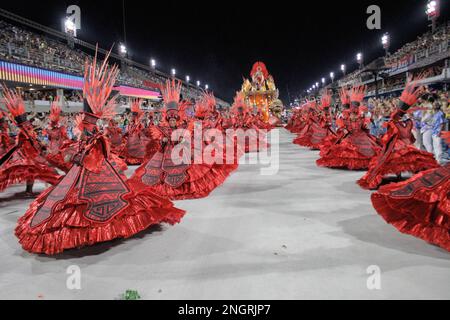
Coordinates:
419 206
91 200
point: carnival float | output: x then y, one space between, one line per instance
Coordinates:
262 95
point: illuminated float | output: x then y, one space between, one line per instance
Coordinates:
261 93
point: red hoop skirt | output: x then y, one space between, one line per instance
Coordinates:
402 159
354 152
23 163
92 204
420 206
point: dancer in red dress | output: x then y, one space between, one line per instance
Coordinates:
419 206
354 147
181 179
320 126
135 138
58 139
252 137
24 162
6 142
93 203
311 117
399 153
115 136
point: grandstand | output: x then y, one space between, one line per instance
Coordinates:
40 62
387 75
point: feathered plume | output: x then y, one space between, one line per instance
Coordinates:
55 110
358 93
99 82
201 109
412 92
210 100
344 96
171 91
326 99
136 107
239 102
14 103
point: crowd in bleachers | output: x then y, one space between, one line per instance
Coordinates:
29 48
423 42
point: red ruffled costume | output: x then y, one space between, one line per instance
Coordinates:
136 140
6 142
318 127
354 147
419 206
399 153
177 181
93 203
23 163
58 139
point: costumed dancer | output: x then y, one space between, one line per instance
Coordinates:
399 153
255 139
354 146
93 203
58 140
321 126
115 136
135 137
419 206
181 179
311 116
6 142
24 162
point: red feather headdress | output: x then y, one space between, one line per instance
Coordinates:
55 110
136 108
262 66
239 102
99 82
171 95
15 105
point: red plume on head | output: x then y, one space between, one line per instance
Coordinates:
326 100
171 92
210 100
239 102
201 109
358 93
412 92
55 110
344 96
262 66
14 102
136 107
99 82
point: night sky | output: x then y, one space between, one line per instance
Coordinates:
218 42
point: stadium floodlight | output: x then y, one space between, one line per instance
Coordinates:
323 80
317 84
206 87
188 79
174 72
70 27
314 86
332 76
433 12
198 83
343 68
153 63
432 9
359 58
123 50
386 42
